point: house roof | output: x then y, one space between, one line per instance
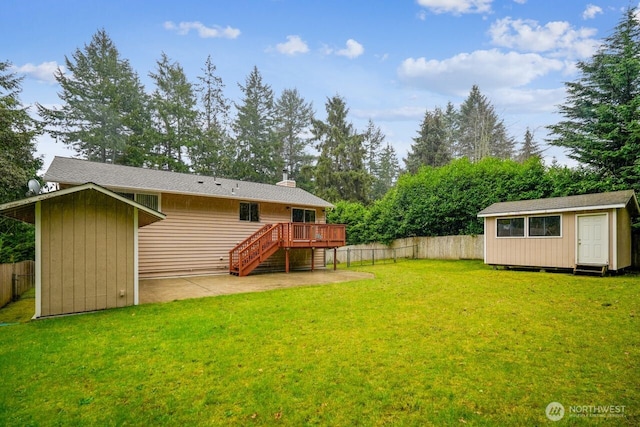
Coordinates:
585 202
24 209
65 170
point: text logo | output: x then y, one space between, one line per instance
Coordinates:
555 411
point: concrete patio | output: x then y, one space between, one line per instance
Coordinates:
176 288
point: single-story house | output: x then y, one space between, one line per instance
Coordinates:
87 241
214 224
586 232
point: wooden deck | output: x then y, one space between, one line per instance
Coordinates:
251 252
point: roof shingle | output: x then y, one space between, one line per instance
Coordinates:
66 170
617 199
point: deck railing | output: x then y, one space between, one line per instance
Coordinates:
263 243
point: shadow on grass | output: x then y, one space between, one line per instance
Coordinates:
20 311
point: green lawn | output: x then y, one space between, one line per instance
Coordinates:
425 343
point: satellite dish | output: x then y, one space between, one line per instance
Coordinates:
34 187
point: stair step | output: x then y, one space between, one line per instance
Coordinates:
600 270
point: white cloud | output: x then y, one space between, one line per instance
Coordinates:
402 113
457 7
353 49
557 37
490 69
528 101
204 32
520 1
591 11
292 46
43 72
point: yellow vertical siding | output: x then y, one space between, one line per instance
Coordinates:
87 253
199 232
623 238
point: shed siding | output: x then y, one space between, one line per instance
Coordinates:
555 252
199 232
87 253
624 238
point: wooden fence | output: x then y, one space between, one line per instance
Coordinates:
441 247
15 279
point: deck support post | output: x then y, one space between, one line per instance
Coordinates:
313 258
335 253
286 260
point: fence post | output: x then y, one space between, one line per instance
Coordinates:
348 257
394 256
14 287
373 257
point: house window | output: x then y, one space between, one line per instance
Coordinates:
547 226
303 215
149 200
249 212
510 227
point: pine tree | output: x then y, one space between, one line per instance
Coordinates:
430 146
529 148
386 172
173 106
601 126
258 151
293 116
104 105
381 162
211 153
340 170
17 164
481 132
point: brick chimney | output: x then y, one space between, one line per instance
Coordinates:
286 182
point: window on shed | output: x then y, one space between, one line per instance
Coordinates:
544 226
249 212
510 227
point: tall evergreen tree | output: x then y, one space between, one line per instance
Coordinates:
293 116
601 126
482 133
258 151
17 164
387 172
173 107
340 170
373 139
104 113
430 146
381 161
529 148
452 129
211 153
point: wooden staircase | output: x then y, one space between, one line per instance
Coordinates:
600 270
265 242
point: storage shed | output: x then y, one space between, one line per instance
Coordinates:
590 232
86 247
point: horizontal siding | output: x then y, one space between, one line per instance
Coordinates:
557 252
199 232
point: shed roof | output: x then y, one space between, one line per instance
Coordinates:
24 209
598 201
65 170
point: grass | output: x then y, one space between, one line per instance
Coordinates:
424 343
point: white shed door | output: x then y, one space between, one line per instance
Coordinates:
593 239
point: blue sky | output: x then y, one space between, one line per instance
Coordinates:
391 60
